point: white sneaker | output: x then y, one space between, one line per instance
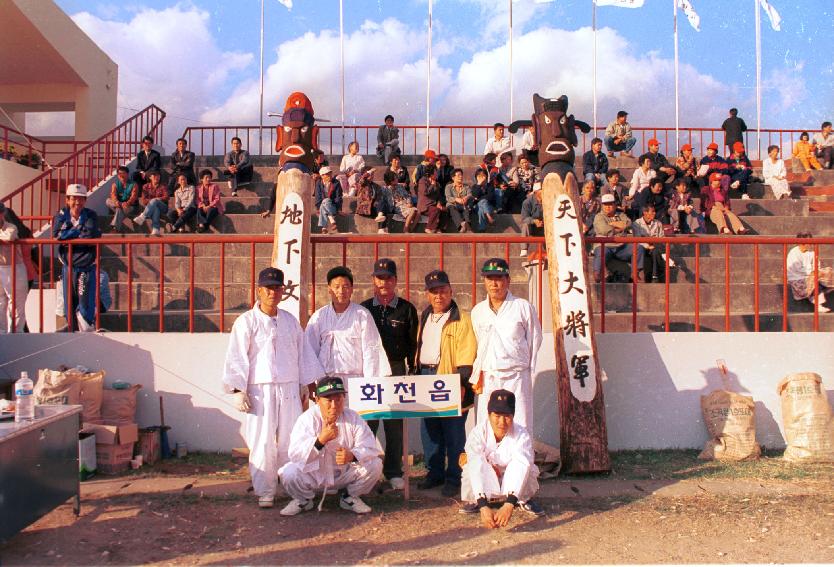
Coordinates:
354 504
397 483
523 253
139 219
735 184
382 231
156 232
380 217
267 501
824 309
295 507
745 197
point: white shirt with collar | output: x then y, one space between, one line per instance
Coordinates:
499 147
487 458
508 341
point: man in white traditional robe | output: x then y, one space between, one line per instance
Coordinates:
344 335
269 365
331 448
499 465
509 336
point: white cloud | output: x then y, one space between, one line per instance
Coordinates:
167 57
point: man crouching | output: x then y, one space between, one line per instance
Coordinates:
331 447
499 455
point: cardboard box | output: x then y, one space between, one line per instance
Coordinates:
114 444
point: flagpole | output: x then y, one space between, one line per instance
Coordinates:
342 67
511 59
758 79
677 100
261 106
428 80
594 81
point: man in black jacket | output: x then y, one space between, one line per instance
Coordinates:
734 128
397 322
594 163
182 163
147 160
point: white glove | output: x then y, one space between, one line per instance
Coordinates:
241 401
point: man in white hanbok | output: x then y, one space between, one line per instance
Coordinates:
499 465
343 334
509 336
331 448
269 365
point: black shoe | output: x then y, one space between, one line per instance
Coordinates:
428 483
469 508
531 507
450 490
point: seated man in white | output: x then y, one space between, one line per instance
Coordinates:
499 465
331 447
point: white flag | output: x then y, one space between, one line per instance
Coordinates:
775 18
287 3
691 15
620 3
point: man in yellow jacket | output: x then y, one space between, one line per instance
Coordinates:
445 345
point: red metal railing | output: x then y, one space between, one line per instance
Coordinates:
669 306
15 145
467 140
89 164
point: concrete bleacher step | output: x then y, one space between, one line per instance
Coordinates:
800 321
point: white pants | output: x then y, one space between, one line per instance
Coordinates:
521 385
480 478
267 428
357 478
21 290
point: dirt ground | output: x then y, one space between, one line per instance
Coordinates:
660 507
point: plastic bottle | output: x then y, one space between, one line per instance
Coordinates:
25 399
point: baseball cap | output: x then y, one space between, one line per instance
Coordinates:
495 267
2 208
436 278
622 113
338 272
501 401
686 148
713 146
607 198
76 190
715 176
653 142
385 267
329 386
738 147
429 154
325 170
270 276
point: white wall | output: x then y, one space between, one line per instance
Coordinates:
652 392
13 175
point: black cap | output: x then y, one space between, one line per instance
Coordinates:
501 401
331 386
2 208
495 267
270 276
437 278
338 272
622 113
385 268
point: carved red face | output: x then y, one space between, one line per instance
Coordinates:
296 135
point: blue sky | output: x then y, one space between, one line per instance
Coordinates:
386 58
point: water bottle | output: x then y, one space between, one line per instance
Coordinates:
25 399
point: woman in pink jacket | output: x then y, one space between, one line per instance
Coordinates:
208 201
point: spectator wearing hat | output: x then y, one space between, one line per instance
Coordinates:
328 200
715 204
429 159
269 366
388 140
238 167
397 322
805 152
351 168
660 164
76 222
713 163
343 334
611 222
499 143
740 169
589 206
331 447
532 216
803 267
509 336
445 345
182 162
687 165
430 199
618 136
594 163
14 284
147 160
154 200
499 465
124 197
734 128
459 202
824 141
775 174
209 205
